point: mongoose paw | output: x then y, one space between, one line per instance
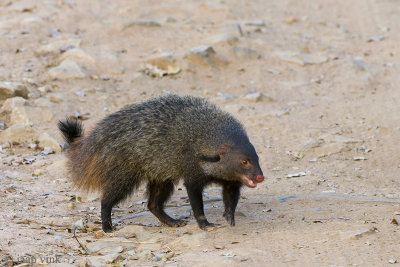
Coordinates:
209 226
229 217
107 229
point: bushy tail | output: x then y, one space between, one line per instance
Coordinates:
71 129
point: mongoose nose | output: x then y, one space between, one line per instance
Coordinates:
259 178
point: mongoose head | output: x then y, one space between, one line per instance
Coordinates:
235 163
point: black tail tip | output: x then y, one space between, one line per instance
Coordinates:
70 129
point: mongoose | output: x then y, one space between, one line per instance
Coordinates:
161 141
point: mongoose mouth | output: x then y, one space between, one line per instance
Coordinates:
251 183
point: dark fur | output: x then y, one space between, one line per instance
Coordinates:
162 141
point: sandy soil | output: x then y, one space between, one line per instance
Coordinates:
326 128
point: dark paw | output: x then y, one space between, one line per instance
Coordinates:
207 226
107 228
229 217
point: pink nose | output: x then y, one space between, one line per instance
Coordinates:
259 178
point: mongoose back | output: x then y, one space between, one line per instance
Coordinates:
160 142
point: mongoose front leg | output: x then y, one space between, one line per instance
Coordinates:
196 201
230 194
159 193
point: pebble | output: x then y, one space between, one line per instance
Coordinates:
204 55
254 97
68 69
224 97
246 53
56 97
163 61
142 23
363 233
43 102
78 55
57 47
45 140
12 89
225 38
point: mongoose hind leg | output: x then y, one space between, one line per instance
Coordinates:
230 194
195 194
159 193
112 195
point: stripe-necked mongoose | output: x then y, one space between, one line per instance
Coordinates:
160 142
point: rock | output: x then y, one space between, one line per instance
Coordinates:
290 57
78 55
204 55
68 69
12 89
363 233
102 260
56 97
301 58
18 112
57 47
158 257
256 97
225 38
14 108
45 140
142 23
43 102
19 133
246 53
163 61
224 97
108 249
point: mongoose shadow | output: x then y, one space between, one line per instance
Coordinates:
161 141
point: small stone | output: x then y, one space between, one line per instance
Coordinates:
392 261
11 89
68 69
225 38
142 23
254 97
204 55
56 98
157 257
98 234
78 55
363 233
57 47
246 53
224 97
112 249
203 50
291 20
43 102
71 206
45 89
219 247
37 172
162 61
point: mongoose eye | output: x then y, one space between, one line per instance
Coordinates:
245 162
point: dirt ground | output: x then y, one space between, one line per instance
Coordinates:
315 83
